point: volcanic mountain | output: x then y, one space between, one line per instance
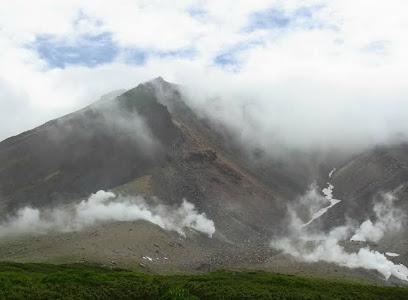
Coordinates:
149 143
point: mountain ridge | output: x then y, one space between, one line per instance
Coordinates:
148 141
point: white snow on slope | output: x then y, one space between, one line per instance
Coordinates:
321 212
327 245
328 192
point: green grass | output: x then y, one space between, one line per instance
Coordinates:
79 281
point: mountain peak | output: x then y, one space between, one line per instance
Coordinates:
158 80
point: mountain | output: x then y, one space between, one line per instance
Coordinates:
99 147
148 142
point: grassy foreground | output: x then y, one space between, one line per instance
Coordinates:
78 281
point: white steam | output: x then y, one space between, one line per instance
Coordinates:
321 246
104 207
387 217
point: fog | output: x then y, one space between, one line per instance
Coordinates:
106 207
313 245
332 77
272 117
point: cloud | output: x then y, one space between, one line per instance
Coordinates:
315 246
311 84
106 207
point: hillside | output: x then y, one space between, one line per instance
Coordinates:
148 142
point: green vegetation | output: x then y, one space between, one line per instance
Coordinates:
79 281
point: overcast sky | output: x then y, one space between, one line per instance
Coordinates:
306 65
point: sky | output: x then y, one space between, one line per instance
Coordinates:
308 72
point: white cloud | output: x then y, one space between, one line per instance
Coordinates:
106 207
311 86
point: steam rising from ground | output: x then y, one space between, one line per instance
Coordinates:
388 219
320 246
104 207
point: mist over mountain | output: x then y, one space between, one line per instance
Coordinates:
160 178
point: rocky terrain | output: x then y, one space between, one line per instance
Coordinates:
147 142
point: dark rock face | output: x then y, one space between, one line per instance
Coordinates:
142 101
202 158
360 181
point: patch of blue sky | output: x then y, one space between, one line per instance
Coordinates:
88 50
134 55
197 12
226 59
139 56
231 58
277 18
271 18
187 52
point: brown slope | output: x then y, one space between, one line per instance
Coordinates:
284 179
99 147
108 145
96 149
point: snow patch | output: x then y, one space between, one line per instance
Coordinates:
328 192
325 246
321 212
391 254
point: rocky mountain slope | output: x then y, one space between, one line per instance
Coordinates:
148 142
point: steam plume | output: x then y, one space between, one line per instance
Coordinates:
387 220
320 246
104 207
